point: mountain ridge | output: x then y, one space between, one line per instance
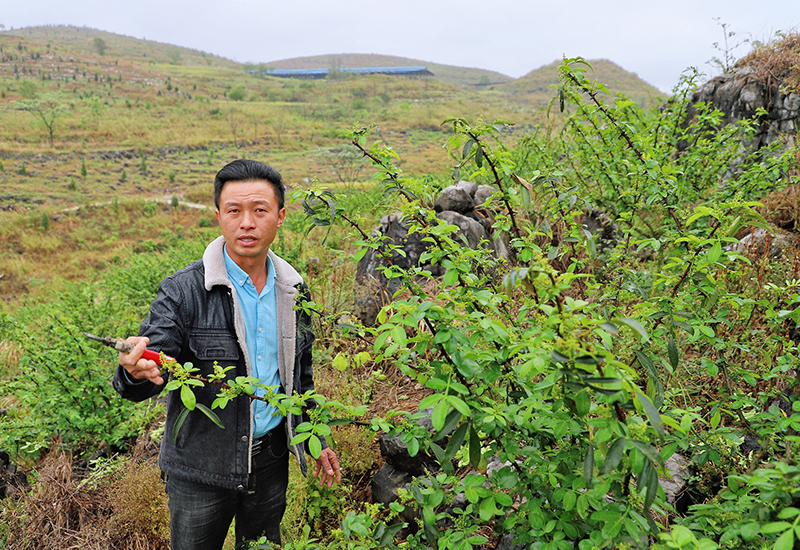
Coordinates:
534 87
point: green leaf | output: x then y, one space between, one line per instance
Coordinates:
668 450
211 415
314 447
651 481
413 447
785 541
399 335
467 148
588 466
456 441
672 351
715 419
450 423
459 405
582 403
526 197
479 156
340 362
488 508
430 401
570 498
647 450
299 438
652 413
613 456
178 423
188 397
611 328
708 331
788 513
775 527
439 414
474 447
714 253
634 324
749 531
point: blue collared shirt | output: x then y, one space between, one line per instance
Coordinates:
261 336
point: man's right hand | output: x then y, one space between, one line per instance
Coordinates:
136 367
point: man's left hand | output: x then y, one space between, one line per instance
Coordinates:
328 468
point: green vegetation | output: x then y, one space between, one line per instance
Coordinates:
576 368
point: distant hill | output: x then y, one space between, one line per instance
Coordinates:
461 76
81 39
536 86
532 89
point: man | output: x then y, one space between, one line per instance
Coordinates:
236 306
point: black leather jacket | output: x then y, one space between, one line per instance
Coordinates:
195 318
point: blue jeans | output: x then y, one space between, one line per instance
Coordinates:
201 514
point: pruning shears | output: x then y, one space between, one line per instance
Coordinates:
121 345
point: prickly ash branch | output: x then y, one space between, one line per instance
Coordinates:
613 120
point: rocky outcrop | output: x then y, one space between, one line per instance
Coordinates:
739 95
463 205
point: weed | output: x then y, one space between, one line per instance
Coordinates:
140 503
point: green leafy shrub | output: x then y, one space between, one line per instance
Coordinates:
568 365
60 384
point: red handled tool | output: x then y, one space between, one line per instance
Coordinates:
121 345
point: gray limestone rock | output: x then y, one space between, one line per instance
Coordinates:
483 193
468 228
756 243
468 186
455 199
679 474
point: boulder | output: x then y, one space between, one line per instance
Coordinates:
386 482
760 242
454 198
483 193
373 290
454 206
471 230
740 93
676 484
468 186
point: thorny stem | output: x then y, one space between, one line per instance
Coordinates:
499 183
603 109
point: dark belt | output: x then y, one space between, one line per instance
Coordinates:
267 440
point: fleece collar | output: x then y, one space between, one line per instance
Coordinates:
216 274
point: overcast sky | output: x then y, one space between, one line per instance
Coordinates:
655 40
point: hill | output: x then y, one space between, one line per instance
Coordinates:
536 86
533 88
82 40
461 76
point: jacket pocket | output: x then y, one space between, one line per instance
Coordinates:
213 346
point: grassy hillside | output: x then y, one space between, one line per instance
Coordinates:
145 120
133 125
80 40
536 86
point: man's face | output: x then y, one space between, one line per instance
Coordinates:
249 218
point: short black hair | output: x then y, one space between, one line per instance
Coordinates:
249 170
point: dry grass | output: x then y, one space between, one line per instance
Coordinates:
777 61
782 208
120 504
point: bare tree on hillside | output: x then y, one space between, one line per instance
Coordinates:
236 120
47 108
